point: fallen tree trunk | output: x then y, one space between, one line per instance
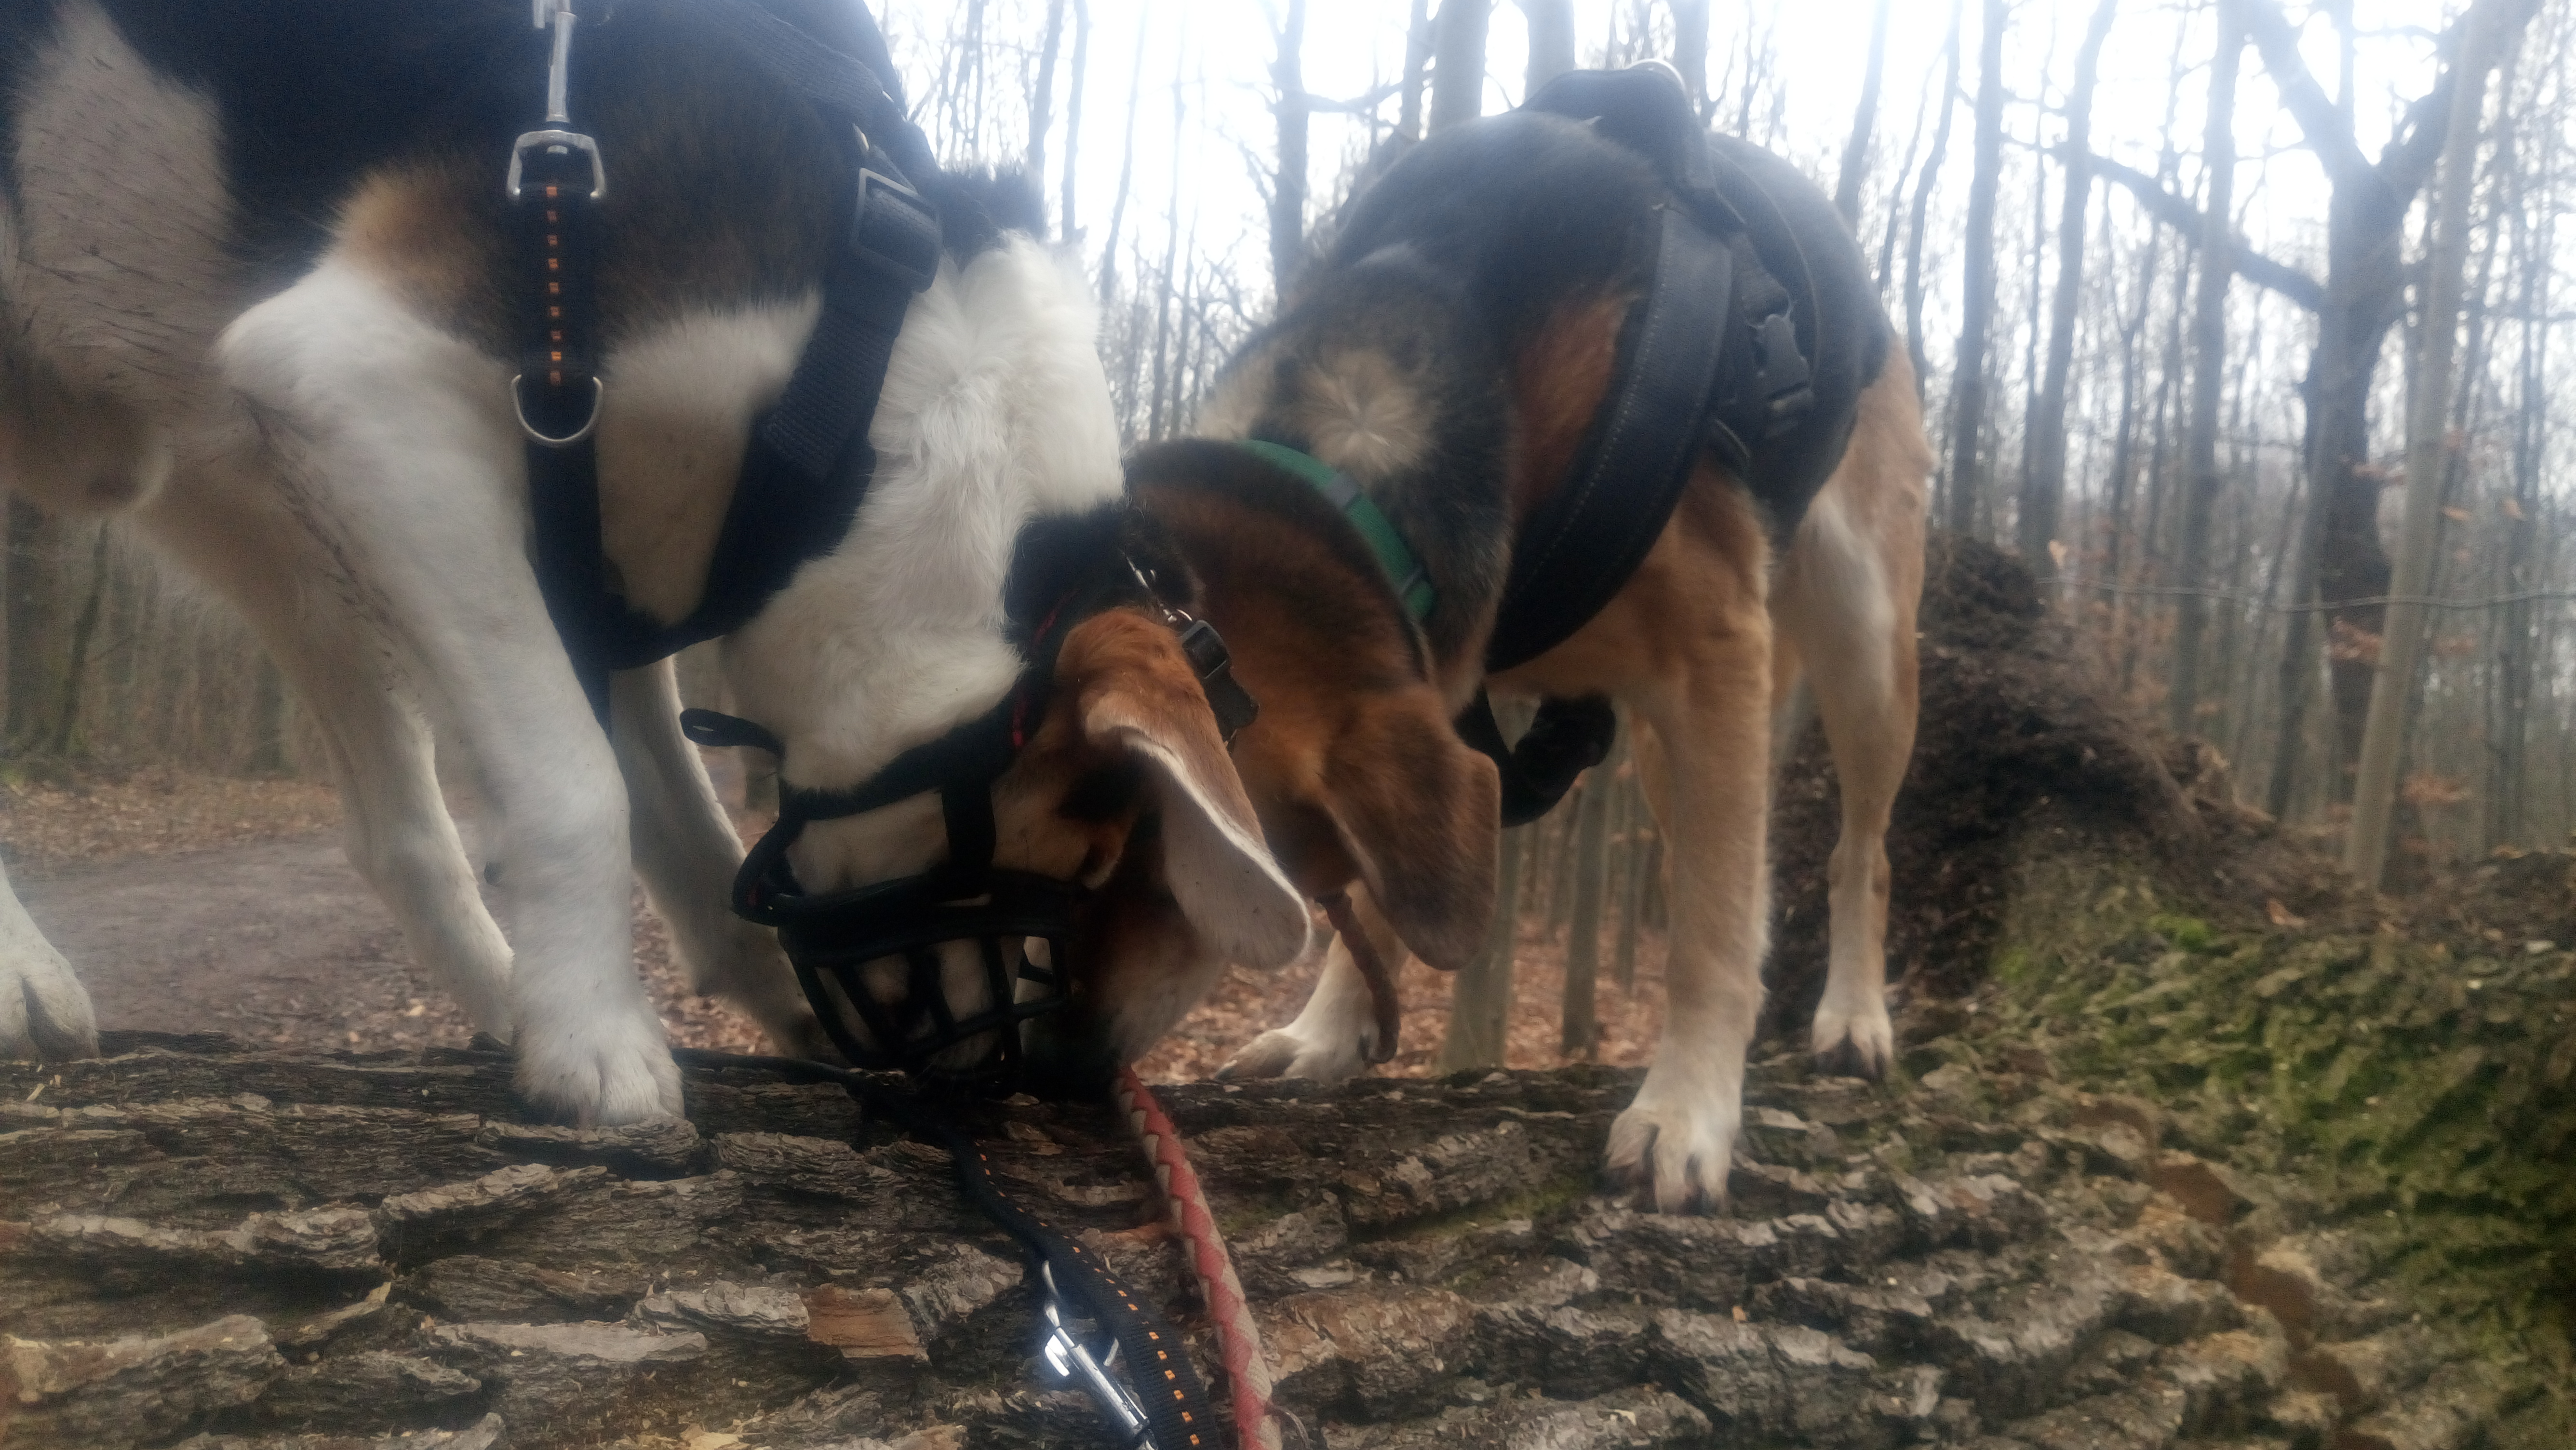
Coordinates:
272 1250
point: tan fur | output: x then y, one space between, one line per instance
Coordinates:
1352 765
1697 647
418 230
1557 385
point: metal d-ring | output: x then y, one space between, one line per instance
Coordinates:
598 394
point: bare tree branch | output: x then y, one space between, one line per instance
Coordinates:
2188 224
2327 129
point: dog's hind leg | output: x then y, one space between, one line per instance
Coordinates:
397 442
687 853
1845 601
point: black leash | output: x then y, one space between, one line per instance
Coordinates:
1176 1413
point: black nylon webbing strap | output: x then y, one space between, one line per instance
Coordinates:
1567 738
1582 545
807 467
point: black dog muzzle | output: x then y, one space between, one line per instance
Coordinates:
838 940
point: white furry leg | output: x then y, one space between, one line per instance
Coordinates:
1332 1039
1842 604
687 853
44 1010
400 452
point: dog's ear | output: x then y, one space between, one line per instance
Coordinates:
1137 697
1420 815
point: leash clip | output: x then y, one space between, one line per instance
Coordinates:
557 135
1067 1357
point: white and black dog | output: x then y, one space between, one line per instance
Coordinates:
256 292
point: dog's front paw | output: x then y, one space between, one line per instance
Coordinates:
44 1011
1292 1051
1853 1039
1676 1142
601 1075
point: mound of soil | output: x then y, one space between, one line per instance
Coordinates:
2022 754
2015 738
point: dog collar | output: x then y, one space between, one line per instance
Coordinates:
1404 571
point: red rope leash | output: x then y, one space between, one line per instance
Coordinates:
1247 1368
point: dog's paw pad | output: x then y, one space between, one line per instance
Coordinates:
1674 1156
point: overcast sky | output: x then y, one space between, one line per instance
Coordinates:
1815 51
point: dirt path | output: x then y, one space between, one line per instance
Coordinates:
274 941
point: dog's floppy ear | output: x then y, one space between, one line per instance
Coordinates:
1137 696
1420 815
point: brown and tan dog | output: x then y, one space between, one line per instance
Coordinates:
1450 354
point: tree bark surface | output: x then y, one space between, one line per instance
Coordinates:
277 1251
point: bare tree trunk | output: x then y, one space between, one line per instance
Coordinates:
1977 289
1073 117
2486 30
1161 420
76 661
2124 463
1922 205
1551 42
2044 490
1480 999
2363 297
1581 1029
2209 367
1690 51
1126 167
2508 782
1864 121
34 634
1458 62
1288 185
1896 199
1417 70
1042 101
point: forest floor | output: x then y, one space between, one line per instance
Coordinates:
196 904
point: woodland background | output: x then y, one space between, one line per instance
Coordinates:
2241 321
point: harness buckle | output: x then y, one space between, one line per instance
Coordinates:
1783 383
1069 1359
895 231
559 141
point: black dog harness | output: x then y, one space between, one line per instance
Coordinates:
804 474
808 463
1711 359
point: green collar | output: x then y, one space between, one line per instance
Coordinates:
1412 584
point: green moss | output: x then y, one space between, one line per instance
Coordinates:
2424 1104
2187 932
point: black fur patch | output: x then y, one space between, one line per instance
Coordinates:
1533 209
314 94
